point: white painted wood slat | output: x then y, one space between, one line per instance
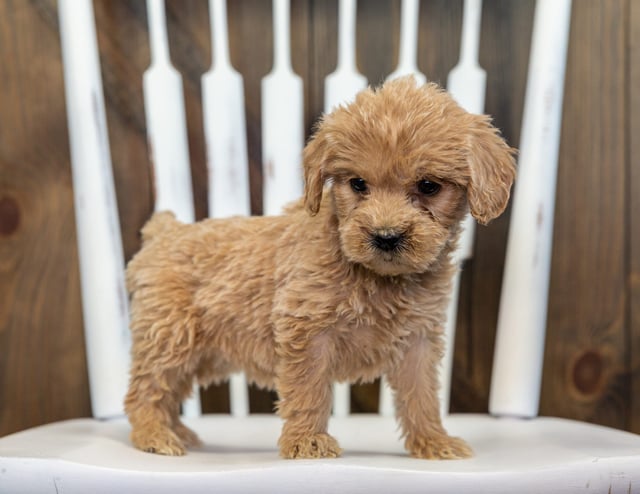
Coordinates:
227 156
166 123
345 82
104 297
167 137
225 125
282 120
408 55
519 351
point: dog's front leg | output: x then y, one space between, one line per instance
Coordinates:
415 383
304 389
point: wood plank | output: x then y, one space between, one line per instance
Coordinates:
323 54
302 56
42 365
439 38
124 55
377 38
633 212
586 374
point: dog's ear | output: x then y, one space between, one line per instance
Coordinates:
314 158
492 171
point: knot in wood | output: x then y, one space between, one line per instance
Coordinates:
588 371
9 215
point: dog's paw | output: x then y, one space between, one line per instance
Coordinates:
439 448
160 440
312 446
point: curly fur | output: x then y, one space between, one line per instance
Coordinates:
307 298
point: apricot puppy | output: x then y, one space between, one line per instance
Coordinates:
349 284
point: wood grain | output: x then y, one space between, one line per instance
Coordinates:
124 54
42 364
593 343
586 366
633 211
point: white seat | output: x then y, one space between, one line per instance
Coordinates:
515 452
239 455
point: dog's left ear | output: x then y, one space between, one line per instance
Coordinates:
314 158
492 168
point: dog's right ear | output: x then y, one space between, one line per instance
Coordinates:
314 158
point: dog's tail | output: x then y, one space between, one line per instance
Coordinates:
161 222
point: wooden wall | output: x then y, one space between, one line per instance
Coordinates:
592 367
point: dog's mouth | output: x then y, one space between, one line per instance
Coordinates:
389 253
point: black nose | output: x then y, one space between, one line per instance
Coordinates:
387 241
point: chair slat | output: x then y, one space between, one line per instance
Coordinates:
225 125
166 123
408 55
282 131
167 137
519 352
467 83
345 82
386 406
227 156
104 298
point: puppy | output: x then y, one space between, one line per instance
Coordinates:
349 284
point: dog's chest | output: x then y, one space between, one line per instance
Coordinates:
373 324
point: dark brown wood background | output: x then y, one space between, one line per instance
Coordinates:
592 364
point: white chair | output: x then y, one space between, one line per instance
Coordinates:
515 451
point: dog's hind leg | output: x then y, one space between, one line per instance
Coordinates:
164 362
153 409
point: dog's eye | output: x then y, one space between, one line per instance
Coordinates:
428 188
358 184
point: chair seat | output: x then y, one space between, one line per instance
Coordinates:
512 455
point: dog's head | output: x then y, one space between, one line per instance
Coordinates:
405 163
